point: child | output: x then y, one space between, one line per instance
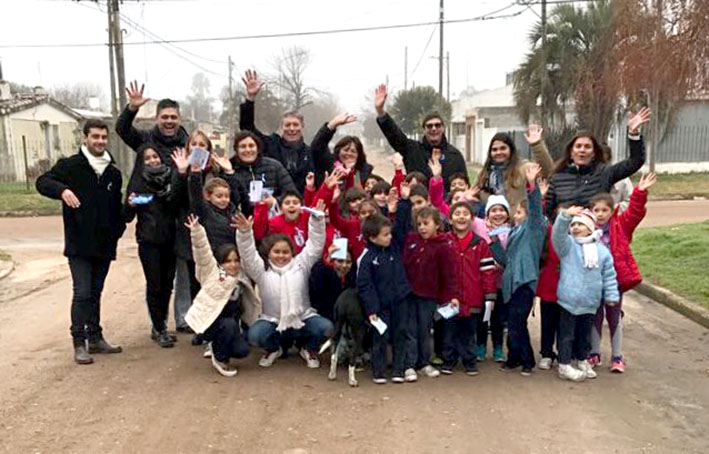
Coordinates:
358 209
379 193
546 292
328 279
383 289
225 298
460 181
283 284
476 283
519 280
371 181
587 278
213 206
618 228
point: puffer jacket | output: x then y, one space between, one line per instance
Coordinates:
270 171
430 267
476 273
549 273
217 288
622 225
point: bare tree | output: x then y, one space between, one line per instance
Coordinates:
79 94
290 69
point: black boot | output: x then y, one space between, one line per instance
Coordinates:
155 334
81 355
165 340
101 346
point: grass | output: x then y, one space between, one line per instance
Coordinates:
686 185
15 198
676 258
4 256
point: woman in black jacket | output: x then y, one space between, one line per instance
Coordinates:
582 173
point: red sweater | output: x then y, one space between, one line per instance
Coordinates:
549 274
621 231
430 267
477 272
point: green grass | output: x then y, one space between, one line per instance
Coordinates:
686 185
15 198
676 258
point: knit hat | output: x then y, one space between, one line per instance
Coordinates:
497 200
586 218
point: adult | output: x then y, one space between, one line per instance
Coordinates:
249 165
417 153
348 152
288 147
582 173
89 185
503 171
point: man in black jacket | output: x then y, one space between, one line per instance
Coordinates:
417 153
89 184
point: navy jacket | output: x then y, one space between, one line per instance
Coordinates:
381 278
325 288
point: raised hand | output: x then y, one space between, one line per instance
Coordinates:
223 163
398 160
533 134
244 225
392 200
70 199
320 205
532 171
331 250
640 118
543 186
341 119
380 98
334 178
192 222
436 168
472 193
310 181
135 96
405 190
647 180
574 210
253 84
179 157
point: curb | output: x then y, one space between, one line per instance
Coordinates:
685 307
6 271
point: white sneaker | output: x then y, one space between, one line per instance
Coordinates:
545 363
269 358
225 368
568 372
429 371
410 375
207 351
396 379
380 381
587 369
311 359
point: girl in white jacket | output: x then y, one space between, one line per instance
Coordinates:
226 297
283 285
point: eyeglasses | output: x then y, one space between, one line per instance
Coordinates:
433 125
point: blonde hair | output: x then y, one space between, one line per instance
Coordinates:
193 135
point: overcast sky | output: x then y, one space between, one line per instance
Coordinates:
349 65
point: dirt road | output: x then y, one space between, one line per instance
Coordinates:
148 399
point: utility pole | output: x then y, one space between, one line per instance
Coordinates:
232 106
448 76
118 47
440 55
116 44
112 69
543 73
655 98
406 68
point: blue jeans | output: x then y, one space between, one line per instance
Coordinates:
88 276
227 339
316 329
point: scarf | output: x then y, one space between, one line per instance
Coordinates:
496 182
290 310
157 179
590 248
98 163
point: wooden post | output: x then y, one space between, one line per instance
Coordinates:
27 167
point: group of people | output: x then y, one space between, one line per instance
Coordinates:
261 248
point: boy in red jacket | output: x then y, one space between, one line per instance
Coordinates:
618 231
475 269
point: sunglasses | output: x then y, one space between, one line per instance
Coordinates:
433 125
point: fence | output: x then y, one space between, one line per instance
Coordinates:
28 161
683 144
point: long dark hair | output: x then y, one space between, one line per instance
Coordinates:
361 157
565 160
512 174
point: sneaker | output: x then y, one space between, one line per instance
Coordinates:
594 359
311 359
429 371
587 369
380 380
223 368
410 375
568 372
506 368
436 361
207 351
481 353
526 372
397 379
618 365
498 356
446 370
472 370
154 334
184 329
269 357
197 340
545 363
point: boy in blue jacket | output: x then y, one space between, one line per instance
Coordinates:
587 278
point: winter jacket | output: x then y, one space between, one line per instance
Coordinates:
417 153
270 171
476 272
297 159
217 222
325 286
327 159
216 288
381 278
549 273
582 289
524 249
430 267
622 225
350 227
436 192
93 229
577 185
284 290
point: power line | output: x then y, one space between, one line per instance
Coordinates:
433 32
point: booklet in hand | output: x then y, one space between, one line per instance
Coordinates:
255 191
448 311
380 326
199 156
341 252
142 199
313 212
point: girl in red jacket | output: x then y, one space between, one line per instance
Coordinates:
475 268
546 292
618 231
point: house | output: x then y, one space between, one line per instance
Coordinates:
35 130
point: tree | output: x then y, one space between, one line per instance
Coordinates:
199 104
411 106
79 94
269 110
290 69
319 111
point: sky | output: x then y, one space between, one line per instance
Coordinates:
348 65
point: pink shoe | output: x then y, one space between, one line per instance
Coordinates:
594 359
618 365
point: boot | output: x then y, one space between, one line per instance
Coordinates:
81 355
165 340
101 346
155 334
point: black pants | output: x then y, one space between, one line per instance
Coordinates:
158 262
518 343
459 341
574 336
496 326
227 339
401 322
420 350
550 328
88 276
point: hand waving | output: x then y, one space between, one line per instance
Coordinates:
647 180
341 119
637 120
135 96
192 222
179 157
380 97
533 134
244 225
253 84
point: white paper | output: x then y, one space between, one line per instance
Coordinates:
488 311
255 191
199 156
341 252
380 326
448 311
313 212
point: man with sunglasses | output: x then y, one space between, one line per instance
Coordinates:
417 153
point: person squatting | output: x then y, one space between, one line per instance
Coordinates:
287 245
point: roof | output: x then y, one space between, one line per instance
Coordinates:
26 101
86 113
495 97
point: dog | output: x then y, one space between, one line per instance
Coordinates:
350 329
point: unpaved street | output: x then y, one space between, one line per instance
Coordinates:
152 400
